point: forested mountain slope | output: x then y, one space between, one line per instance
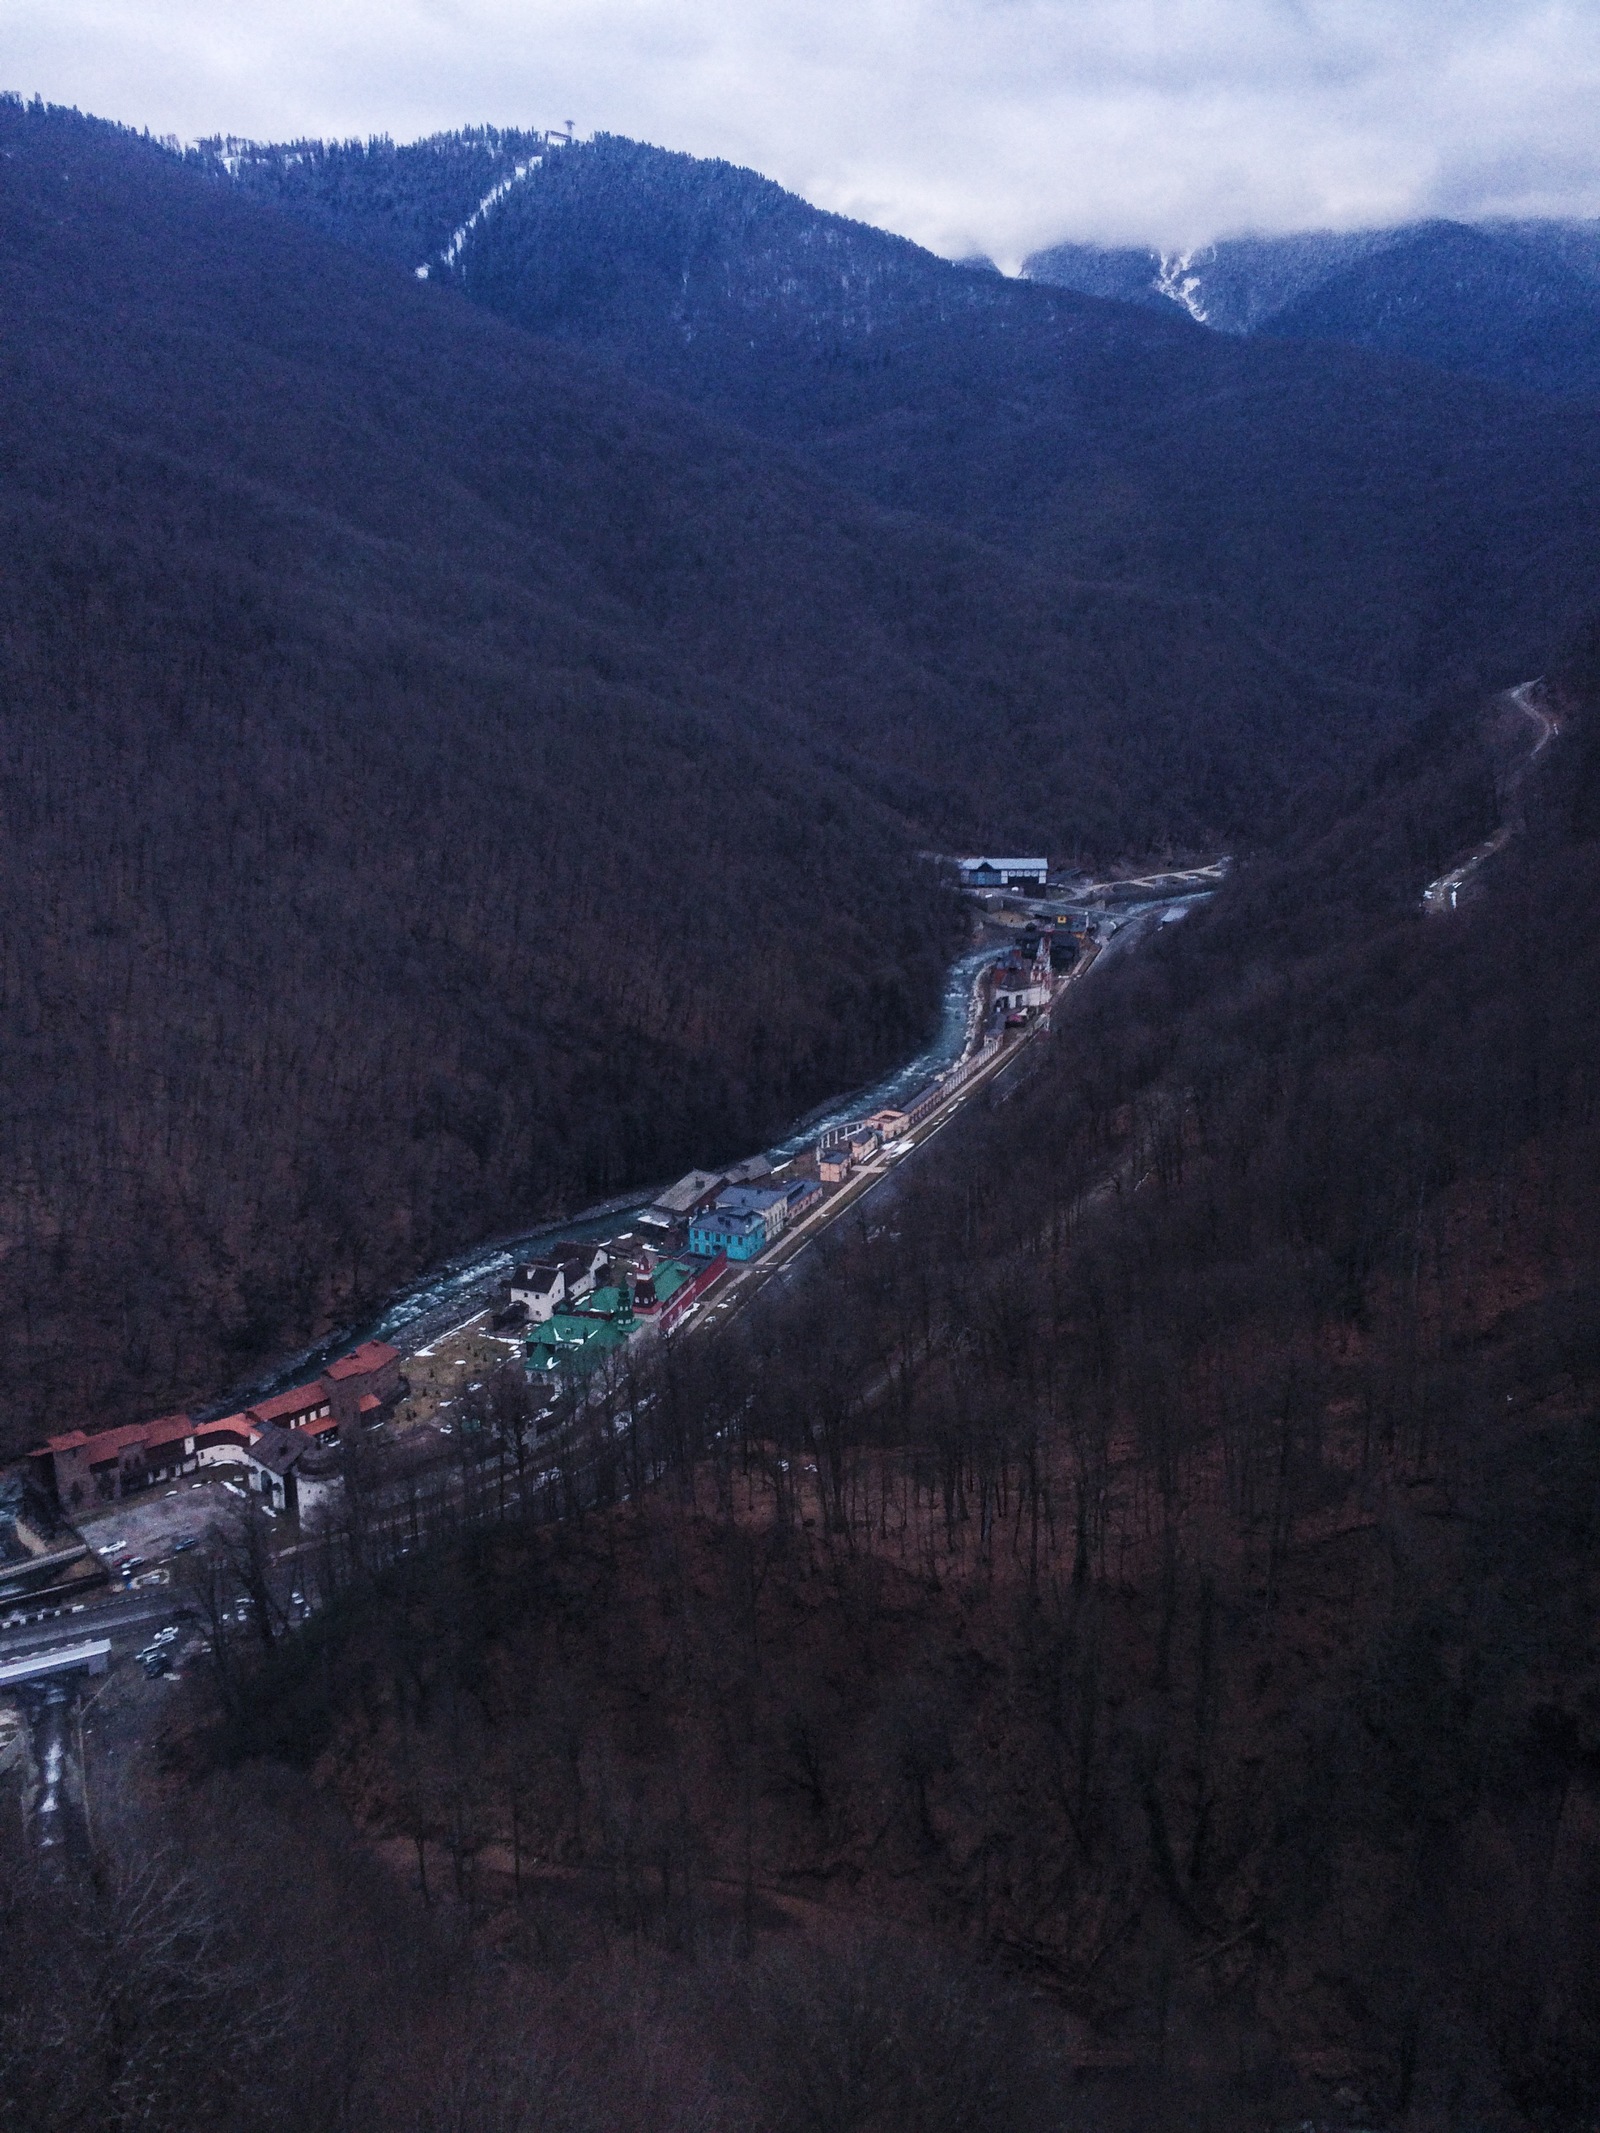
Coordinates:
446 781
1170 1582
1365 518
1139 1590
405 202
1517 303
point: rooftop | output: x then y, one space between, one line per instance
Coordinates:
163 1429
746 1173
570 1341
362 1361
750 1199
538 1278
727 1223
602 1303
668 1278
680 1199
298 1400
277 1449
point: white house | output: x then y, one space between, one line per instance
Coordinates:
540 1289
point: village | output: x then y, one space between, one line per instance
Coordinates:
94 1514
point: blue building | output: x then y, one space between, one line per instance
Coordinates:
770 1202
739 1233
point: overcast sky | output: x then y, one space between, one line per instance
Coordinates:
992 125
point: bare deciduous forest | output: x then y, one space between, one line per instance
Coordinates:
447 783
1112 1646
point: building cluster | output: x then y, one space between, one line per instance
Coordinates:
581 1303
585 1303
844 1149
744 1219
288 1445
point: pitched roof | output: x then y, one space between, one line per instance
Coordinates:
106 1442
753 1167
603 1303
298 1400
729 1223
241 1427
664 1283
680 1199
750 1199
537 1278
276 1449
363 1361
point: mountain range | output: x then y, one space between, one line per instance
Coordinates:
1337 507
1514 302
477 729
494 637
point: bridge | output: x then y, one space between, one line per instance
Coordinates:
92 1656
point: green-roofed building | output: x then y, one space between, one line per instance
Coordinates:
575 1342
614 1304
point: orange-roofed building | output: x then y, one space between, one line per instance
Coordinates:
303 1407
88 1469
363 1386
356 1392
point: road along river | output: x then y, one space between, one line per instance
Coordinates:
462 1286
452 1291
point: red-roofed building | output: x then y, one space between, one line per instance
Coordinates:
363 1386
115 1462
305 1407
356 1392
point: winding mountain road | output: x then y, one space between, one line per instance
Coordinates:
1444 895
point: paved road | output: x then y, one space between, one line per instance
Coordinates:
129 1616
125 1617
736 1290
1444 894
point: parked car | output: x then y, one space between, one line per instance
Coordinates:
169 1635
131 1564
183 1543
156 1662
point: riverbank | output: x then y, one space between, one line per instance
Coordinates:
461 1285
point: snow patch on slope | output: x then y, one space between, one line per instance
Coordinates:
496 193
1176 281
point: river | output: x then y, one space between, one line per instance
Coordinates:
449 1292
